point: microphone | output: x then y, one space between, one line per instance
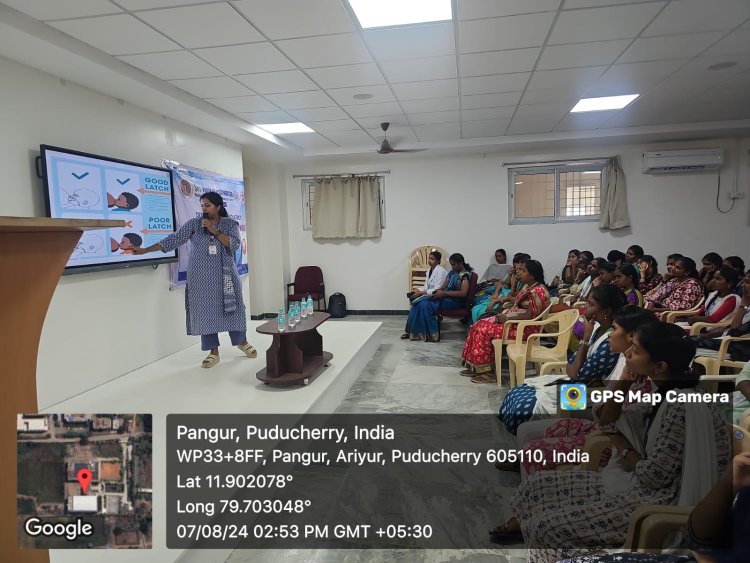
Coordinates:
205 216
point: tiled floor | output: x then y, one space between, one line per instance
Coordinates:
419 378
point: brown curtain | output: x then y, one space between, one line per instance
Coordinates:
614 200
346 207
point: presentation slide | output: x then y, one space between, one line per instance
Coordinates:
85 186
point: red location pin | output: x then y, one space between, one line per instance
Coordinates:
84 478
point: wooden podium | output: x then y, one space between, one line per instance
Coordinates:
33 254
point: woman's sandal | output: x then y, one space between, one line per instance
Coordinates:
503 535
405 336
484 378
210 361
249 351
467 373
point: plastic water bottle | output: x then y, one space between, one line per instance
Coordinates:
297 314
281 320
303 308
291 319
309 305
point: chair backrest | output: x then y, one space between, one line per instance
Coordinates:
419 267
740 439
307 279
473 280
565 320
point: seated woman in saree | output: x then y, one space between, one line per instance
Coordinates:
711 262
435 280
681 292
720 304
674 458
504 291
591 363
564 435
478 354
498 270
589 282
626 277
422 322
650 278
568 274
737 264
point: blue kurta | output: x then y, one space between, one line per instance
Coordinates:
204 292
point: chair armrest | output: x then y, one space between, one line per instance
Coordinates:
596 443
696 328
289 285
650 524
523 324
547 367
723 349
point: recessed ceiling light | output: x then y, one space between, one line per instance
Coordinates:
605 103
362 96
722 66
387 13
286 128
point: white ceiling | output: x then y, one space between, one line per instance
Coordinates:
502 70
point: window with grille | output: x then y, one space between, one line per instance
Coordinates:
554 194
308 201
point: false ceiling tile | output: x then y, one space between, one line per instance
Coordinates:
308 141
350 138
431 68
397 120
487 113
737 42
514 82
395 134
433 117
574 4
326 50
585 121
490 100
543 79
265 117
581 54
117 35
319 114
426 89
187 25
432 104
670 47
476 9
146 4
553 109
693 16
484 128
601 24
437 132
411 42
527 125
498 62
364 74
246 59
172 65
373 110
333 125
244 104
563 93
345 96
498 34
301 100
217 87
633 78
54 9
277 82
283 19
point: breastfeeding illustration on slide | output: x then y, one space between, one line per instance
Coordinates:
86 188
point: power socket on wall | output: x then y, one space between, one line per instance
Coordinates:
736 195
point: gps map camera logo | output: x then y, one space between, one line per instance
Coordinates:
573 397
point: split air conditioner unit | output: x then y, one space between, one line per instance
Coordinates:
682 161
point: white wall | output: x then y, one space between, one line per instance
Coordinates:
99 325
460 203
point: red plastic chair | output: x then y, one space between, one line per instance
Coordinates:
460 313
307 281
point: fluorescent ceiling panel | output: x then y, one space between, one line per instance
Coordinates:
604 103
286 128
388 13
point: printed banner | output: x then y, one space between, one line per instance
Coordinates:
189 184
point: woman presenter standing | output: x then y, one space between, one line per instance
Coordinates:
213 294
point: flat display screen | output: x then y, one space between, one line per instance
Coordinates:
86 186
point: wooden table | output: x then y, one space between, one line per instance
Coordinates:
295 354
33 254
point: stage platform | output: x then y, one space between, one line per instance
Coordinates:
177 384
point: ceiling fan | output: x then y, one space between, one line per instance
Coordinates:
385 146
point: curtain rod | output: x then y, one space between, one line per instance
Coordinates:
570 160
342 174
